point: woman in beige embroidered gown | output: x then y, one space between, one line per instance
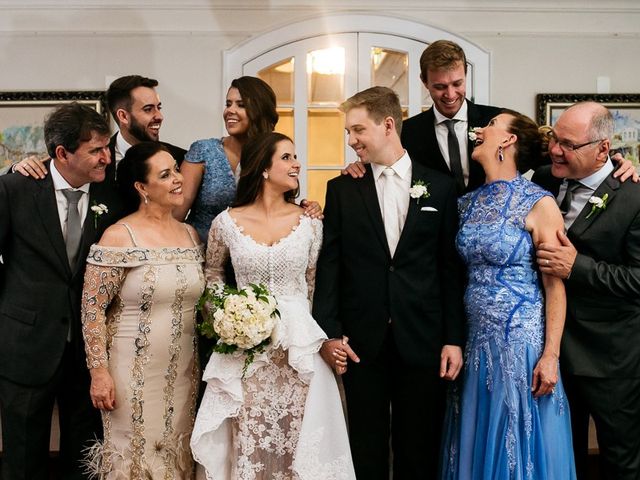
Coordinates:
142 282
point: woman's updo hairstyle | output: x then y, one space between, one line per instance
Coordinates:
134 168
530 148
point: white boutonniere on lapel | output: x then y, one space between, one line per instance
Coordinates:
472 134
419 190
597 204
98 210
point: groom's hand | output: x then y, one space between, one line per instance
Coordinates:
336 352
450 362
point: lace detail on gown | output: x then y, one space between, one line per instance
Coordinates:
495 428
139 322
285 418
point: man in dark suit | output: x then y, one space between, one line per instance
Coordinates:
600 261
136 108
443 71
46 228
426 136
388 294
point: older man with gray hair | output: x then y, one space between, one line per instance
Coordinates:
599 259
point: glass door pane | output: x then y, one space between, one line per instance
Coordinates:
280 76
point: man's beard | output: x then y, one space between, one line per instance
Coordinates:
137 131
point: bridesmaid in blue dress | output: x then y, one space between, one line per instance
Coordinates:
509 419
212 166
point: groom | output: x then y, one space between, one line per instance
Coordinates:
388 294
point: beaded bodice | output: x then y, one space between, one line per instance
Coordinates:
285 268
503 298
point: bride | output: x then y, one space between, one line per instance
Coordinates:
284 418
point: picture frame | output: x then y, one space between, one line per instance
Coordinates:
22 116
624 107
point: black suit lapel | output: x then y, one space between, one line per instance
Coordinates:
417 173
432 148
367 189
110 172
581 224
47 208
476 173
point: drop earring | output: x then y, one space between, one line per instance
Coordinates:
500 153
265 175
146 200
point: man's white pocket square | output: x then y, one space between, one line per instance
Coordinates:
428 209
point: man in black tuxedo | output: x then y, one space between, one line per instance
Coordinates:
388 294
46 228
427 136
135 106
600 262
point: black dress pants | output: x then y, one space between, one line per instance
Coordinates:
26 422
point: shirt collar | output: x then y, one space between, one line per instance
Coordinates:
461 115
402 167
59 183
594 180
121 144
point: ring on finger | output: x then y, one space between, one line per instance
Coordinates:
546 262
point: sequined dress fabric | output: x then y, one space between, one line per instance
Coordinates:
494 427
217 188
147 341
284 419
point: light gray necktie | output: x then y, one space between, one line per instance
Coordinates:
455 163
74 224
390 215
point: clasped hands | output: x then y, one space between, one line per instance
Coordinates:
336 352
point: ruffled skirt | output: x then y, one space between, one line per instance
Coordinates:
284 420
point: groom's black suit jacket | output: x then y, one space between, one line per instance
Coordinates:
602 329
419 138
39 292
360 288
176 152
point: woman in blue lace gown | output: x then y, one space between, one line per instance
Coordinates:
510 418
212 166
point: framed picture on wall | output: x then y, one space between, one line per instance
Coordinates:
625 108
22 115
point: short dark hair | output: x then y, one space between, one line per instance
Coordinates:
70 124
260 103
134 167
119 92
530 147
380 102
441 55
254 160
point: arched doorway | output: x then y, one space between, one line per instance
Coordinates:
313 65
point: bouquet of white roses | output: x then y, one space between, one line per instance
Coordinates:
238 319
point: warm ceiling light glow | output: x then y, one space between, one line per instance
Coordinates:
329 61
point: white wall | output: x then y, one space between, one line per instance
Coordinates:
536 46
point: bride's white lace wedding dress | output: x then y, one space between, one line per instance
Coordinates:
284 419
